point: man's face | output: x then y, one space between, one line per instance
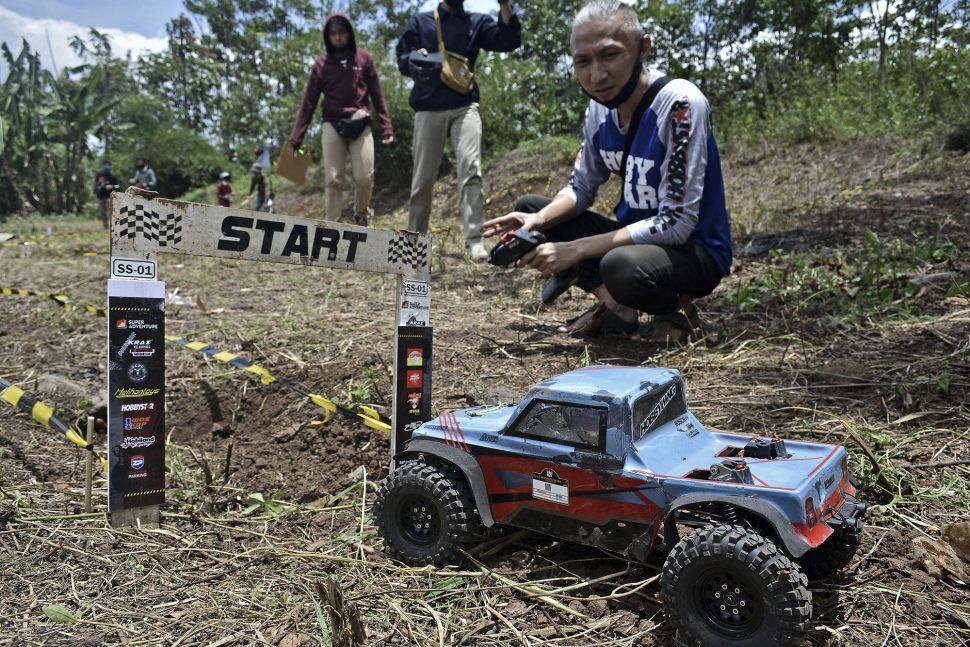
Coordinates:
603 56
339 37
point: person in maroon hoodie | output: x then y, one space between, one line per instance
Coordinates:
347 77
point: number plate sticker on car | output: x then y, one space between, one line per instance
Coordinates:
547 485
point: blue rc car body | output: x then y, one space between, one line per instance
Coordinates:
612 457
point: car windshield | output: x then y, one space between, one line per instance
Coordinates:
657 408
573 425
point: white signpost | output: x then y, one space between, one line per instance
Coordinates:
144 226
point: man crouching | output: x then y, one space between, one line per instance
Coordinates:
671 240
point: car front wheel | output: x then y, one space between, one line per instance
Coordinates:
425 513
728 585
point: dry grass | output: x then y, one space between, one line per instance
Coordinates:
229 569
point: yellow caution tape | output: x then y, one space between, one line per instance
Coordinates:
368 415
229 358
39 238
44 414
61 299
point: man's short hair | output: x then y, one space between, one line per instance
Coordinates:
608 9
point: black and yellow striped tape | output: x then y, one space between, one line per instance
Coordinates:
368 415
81 252
43 414
19 239
229 358
61 299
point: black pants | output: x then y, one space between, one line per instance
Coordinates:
649 278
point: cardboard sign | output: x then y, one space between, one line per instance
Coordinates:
136 394
293 166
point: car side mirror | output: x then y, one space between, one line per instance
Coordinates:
591 460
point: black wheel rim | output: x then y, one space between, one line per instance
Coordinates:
418 519
727 600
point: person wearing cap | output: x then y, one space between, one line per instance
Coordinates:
224 190
671 240
347 77
144 177
257 183
442 112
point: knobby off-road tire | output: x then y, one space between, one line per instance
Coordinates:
425 513
727 585
832 556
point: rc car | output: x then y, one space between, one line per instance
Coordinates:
612 457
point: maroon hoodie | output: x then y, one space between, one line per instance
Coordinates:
345 78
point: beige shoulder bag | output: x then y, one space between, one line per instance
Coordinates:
455 71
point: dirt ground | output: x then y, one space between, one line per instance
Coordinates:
846 319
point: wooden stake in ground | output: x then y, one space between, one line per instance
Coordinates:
89 468
345 625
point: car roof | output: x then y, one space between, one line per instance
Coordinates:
607 382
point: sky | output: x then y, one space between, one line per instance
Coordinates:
136 30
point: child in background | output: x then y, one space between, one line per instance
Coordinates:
224 190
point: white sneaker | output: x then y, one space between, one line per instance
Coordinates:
477 252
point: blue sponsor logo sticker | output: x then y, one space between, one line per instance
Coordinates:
138 462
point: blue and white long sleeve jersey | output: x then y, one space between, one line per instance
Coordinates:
673 190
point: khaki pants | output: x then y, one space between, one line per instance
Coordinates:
431 128
335 149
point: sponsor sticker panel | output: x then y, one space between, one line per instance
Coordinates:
413 398
136 391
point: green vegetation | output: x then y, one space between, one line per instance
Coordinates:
234 72
851 283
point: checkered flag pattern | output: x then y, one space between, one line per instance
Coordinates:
166 230
403 250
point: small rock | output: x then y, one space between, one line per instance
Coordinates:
597 608
940 559
843 371
958 536
55 384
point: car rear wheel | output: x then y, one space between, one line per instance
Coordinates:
832 556
728 585
425 513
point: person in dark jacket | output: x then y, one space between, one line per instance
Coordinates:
257 183
347 77
105 183
441 112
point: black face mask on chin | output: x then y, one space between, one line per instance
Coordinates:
457 5
626 91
